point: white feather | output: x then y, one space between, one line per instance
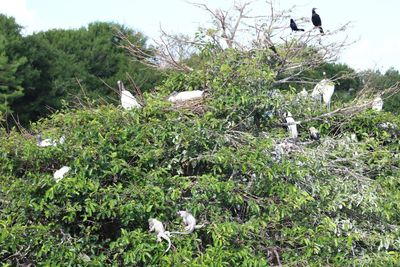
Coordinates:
292 127
324 88
59 174
186 95
377 104
128 101
47 142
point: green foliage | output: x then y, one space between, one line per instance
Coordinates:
40 72
379 82
10 81
332 202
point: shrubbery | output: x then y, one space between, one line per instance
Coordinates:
333 202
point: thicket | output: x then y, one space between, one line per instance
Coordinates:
265 200
332 202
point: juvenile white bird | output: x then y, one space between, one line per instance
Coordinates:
292 127
158 227
59 174
314 134
128 101
377 104
185 96
189 221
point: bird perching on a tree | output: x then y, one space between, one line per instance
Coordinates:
294 27
316 20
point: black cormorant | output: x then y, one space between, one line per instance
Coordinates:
316 20
293 26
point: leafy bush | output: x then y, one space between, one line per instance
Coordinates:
332 202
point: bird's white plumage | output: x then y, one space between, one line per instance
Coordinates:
59 174
324 88
128 101
186 95
377 104
292 127
47 142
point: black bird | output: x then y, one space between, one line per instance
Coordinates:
316 20
293 25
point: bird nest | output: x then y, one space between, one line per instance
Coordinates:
196 106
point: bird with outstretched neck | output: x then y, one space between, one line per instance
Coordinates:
316 20
293 26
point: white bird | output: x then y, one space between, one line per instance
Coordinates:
48 141
128 101
189 221
292 127
158 227
325 88
377 104
59 174
185 96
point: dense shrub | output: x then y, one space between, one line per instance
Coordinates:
332 202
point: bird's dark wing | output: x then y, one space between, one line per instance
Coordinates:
316 20
293 25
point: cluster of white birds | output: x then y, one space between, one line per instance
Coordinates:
128 101
48 141
157 226
58 174
292 128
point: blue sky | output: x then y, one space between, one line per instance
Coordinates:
374 23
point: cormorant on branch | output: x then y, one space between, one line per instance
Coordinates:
316 20
293 26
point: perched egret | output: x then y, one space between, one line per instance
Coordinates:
292 127
185 96
316 20
59 174
314 134
128 101
377 104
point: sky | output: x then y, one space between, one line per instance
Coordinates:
374 23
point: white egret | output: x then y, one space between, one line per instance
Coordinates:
59 174
377 104
292 127
128 101
185 96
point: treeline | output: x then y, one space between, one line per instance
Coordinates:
39 72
